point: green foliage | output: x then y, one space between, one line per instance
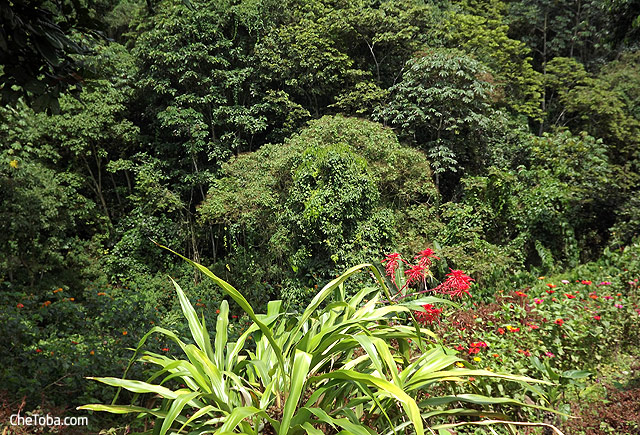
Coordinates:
37 47
517 83
549 211
329 195
443 97
592 105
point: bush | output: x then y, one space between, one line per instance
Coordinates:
351 364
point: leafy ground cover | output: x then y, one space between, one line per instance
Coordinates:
577 331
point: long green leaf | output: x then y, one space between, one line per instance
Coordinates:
138 386
198 330
301 363
240 300
175 410
409 405
222 325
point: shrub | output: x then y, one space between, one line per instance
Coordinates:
352 364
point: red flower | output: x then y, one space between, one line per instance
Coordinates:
456 284
515 329
473 350
597 317
521 294
429 314
586 282
415 272
20 306
550 291
459 347
424 257
38 350
569 296
559 322
165 349
534 327
392 260
501 331
478 344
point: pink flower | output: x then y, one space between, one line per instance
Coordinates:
618 305
538 301
564 281
549 354
605 283
608 297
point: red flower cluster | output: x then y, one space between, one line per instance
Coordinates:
456 284
415 273
424 257
429 314
392 261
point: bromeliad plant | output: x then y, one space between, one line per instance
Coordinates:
345 365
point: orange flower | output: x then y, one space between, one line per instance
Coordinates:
57 291
124 332
551 285
72 299
92 353
102 294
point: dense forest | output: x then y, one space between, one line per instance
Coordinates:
280 142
